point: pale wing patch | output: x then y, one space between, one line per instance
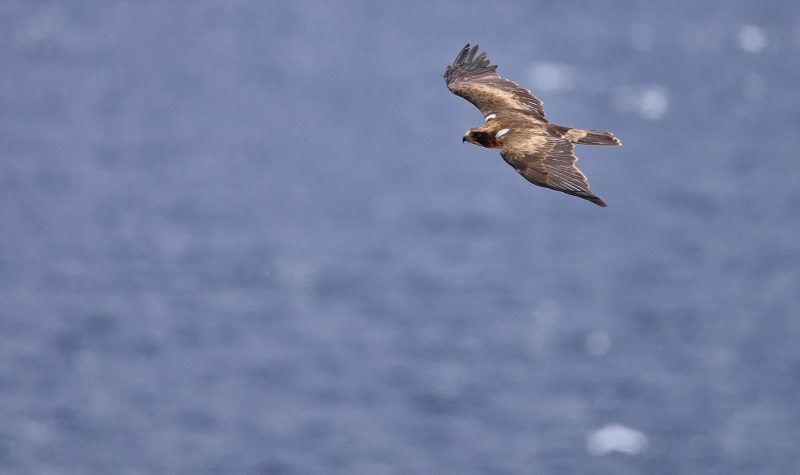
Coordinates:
490 117
501 133
575 134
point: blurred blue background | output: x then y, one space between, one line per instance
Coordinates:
245 237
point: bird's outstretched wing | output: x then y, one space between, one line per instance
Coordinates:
474 78
547 161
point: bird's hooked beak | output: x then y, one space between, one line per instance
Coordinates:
467 136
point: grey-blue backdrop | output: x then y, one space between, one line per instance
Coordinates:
245 237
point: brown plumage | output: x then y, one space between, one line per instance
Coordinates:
515 123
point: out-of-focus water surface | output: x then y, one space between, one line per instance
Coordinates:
245 237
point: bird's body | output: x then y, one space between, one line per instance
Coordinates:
514 122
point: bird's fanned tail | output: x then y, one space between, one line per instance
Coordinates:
598 137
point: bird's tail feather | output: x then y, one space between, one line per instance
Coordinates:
598 137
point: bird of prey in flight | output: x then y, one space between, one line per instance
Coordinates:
515 123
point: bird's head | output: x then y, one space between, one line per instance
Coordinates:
480 137
469 136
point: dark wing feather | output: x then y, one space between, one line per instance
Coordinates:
549 162
474 78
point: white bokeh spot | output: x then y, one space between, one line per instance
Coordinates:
650 102
617 438
551 77
752 38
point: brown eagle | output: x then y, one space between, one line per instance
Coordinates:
514 122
